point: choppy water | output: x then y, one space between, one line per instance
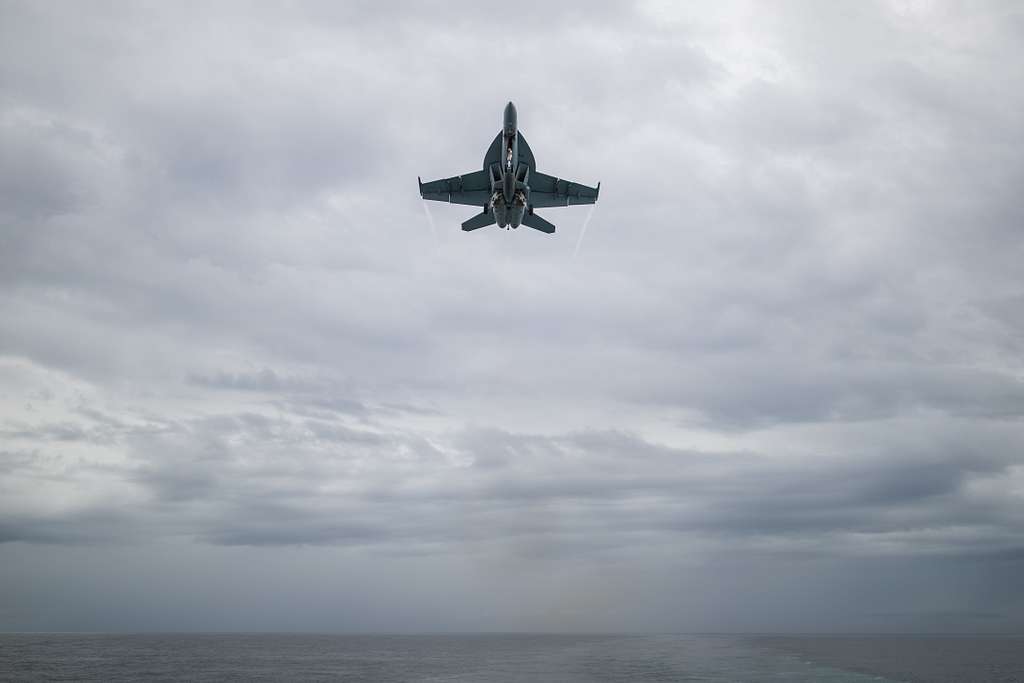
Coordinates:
489 658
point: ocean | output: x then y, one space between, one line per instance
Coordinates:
568 658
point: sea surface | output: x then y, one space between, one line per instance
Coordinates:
259 657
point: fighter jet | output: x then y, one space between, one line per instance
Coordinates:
509 187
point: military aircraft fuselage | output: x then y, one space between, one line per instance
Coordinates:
508 181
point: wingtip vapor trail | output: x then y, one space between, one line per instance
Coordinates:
433 228
586 222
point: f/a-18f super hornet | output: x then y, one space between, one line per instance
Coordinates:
509 187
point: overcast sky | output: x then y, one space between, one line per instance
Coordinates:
248 381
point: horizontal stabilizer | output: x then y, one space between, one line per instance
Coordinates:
481 220
537 223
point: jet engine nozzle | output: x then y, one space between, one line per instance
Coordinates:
500 209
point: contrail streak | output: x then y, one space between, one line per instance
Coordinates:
586 222
433 228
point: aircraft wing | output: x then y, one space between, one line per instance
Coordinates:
547 191
473 189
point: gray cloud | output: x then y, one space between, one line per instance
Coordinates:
250 478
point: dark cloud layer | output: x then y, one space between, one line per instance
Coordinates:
779 381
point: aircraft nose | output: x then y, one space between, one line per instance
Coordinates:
510 116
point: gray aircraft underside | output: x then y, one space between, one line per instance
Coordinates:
509 187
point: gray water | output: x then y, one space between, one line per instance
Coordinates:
939 659
493 658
